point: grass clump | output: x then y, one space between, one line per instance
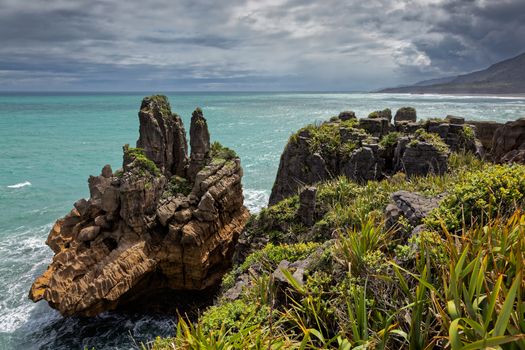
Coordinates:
178 185
218 151
140 160
325 138
422 136
268 258
390 139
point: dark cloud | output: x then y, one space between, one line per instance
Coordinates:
250 44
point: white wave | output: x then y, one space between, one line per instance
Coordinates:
255 200
21 184
24 256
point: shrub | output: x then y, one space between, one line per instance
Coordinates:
140 160
233 316
217 150
178 185
495 189
390 139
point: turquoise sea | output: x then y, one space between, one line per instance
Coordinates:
51 143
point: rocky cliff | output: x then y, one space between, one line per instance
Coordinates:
371 148
164 222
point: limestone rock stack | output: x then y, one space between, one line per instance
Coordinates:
163 222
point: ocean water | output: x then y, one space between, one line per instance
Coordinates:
50 143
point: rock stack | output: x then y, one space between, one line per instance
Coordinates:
162 223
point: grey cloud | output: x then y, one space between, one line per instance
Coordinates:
251 44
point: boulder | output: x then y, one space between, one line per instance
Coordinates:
376 127
416 157
88 233
455 120
413 206
134 242
405 114
346 115
508 144
363 164
384 114
307 205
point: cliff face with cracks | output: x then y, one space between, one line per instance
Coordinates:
162 223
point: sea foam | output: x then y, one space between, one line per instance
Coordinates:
20 185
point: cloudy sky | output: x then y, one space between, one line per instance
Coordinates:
334 45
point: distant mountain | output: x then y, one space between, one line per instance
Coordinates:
505 77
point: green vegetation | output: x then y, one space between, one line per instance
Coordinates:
140 161
491 191
325 138
431 138
390 139
369 288
456 283
467 135
439 291
162 104
218 151
385 113
177 185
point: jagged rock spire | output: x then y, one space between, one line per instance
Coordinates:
162 135
199 142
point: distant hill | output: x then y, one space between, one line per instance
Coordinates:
505 77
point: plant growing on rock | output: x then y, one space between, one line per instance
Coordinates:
139 159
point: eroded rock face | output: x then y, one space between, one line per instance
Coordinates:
162 135
508 144
416 157
405 114
485 131
357 150
145 229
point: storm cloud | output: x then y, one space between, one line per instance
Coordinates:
250 44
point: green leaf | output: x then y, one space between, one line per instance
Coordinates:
506 310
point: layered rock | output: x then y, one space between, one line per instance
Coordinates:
152 226
370 149
508 143
365 149
162 136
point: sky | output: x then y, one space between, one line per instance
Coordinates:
250 45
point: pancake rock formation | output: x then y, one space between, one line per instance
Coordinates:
164 222
371 148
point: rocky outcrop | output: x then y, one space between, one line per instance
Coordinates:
199 142
162 136
306 210
150 227
508 144
485 131
405 214
413 206
420 156
370 149
405 114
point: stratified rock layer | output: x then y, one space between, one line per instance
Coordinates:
150 226
370 149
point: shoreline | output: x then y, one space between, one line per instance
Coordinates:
488 95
